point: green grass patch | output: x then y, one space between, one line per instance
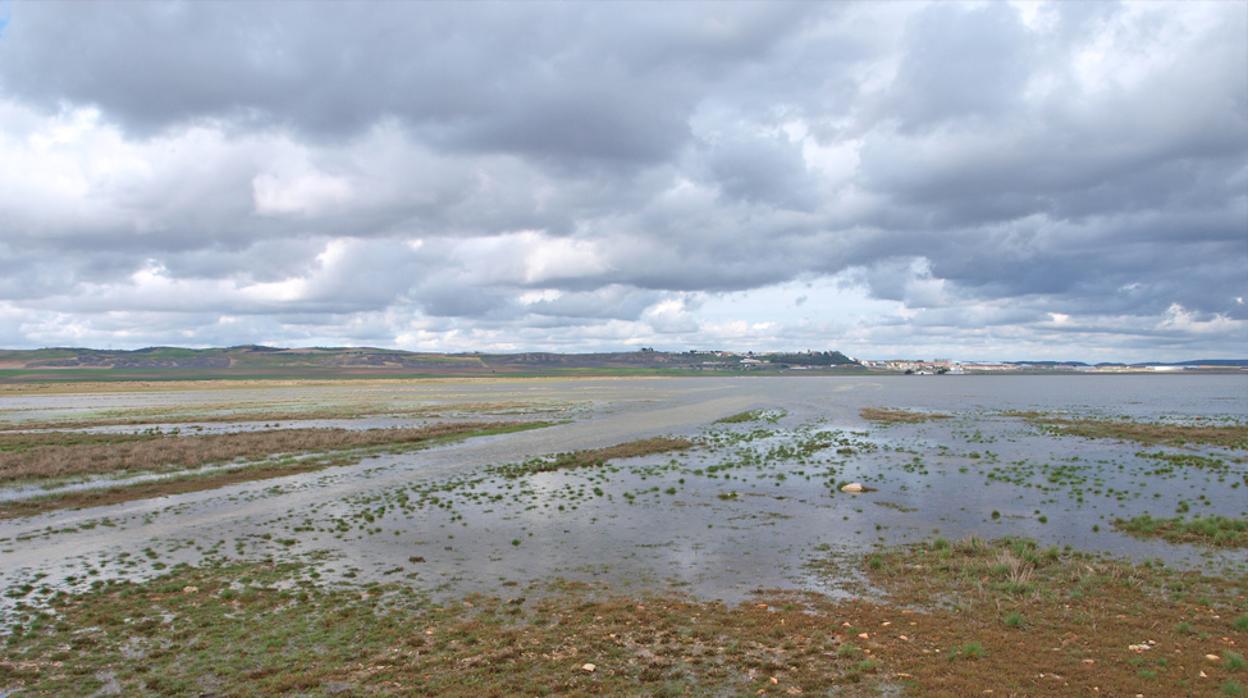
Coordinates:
1213 530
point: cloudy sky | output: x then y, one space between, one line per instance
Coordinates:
985 180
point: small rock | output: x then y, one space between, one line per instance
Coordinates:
1212 657
853 487
774 681
1142 647
863 636
588 667
190 589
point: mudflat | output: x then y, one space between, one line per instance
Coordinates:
648 535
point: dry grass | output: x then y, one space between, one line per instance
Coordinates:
593 457
159 488
886 415
1048 622
47 455
246 630
260 471
212 415
85 386
1226 436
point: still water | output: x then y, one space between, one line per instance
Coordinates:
750 508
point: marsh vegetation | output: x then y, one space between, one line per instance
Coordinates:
714 555
940 625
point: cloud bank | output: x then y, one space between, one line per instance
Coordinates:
983 180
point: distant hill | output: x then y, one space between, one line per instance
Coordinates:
256 361
253 361
814 358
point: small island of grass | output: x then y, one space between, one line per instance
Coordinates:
884 415
1219 531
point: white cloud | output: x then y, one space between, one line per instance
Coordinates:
912 178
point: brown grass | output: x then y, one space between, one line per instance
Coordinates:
593 457
158 488
34 456
634 449
886 415
1226 436
1076 618
59 387
245 630
166 416
207 481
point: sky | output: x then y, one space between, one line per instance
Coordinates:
978 181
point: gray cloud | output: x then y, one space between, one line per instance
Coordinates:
590 176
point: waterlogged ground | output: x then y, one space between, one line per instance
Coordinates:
749 507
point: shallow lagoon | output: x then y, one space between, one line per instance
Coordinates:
748 509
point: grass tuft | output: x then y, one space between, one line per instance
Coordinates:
884 415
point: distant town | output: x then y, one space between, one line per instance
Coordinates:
835 360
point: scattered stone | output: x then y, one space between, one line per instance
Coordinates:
190 589
1212 657
588 667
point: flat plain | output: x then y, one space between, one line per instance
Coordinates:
1023 535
